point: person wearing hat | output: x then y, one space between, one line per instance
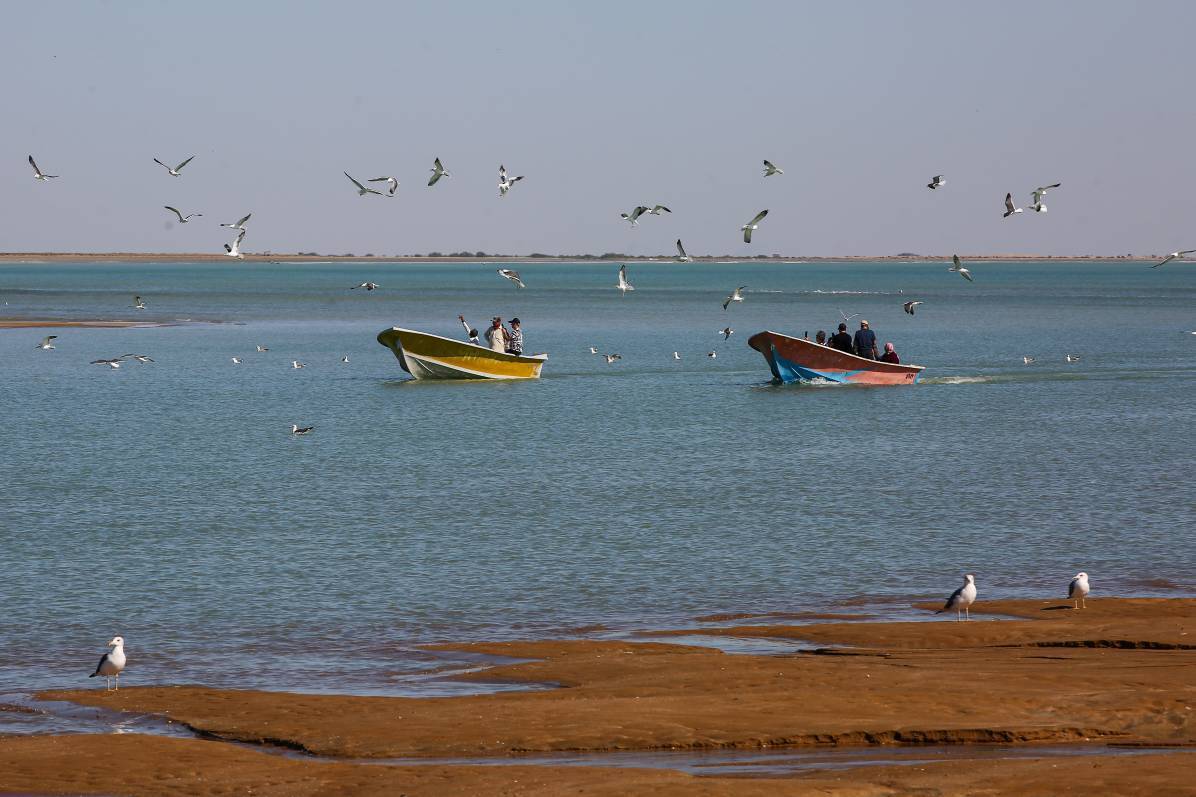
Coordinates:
496 335
515 338
865 342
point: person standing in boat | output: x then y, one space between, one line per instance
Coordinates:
515 338
865 342
841 340
496 335
820 338
890 355
470 331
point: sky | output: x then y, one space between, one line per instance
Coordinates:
602 106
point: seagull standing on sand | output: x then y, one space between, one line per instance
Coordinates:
297 429
37 173
138 304
235 249
182 219
624 285
177 169
726 332
1009 207
681 256
505 181
112 662
770 169
736 296
634 215
909 306
394 184
437 172
240 225
1037 195
361 189
1078 590
958 268
1173 256
936 182
512 275
962 598
46 345
754 224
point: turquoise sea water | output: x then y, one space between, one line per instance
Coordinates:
168 502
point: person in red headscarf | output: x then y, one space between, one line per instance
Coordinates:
890 355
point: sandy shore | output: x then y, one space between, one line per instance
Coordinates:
1117 672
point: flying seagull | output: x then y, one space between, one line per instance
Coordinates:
361 189
297 429
681 256
658 209
1078 590
624 285
182 219
112 662
846 317
512 275
1173 256
369 286
770 169
736 296
610 358
235 249
958 268
175 171
1037 195
962 598
37 173
437 172
115 363
936 182
393 182
141 358
726 332
505 181
138 304
754 224
46 344
1009 207
634 215
240 225
909 306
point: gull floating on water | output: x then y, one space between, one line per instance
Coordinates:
46 344
505 181
240 225
37 173
1078 590
512 275
962 598
1010 209
754 224
297 429
369 286
361 189
235 249
112 662
115 363
634 215
958 268
610 358
297 364
345 360
262 348
593 350
236 360
681 256
658 209
712 354
736 296
182 219
394 183
909 306
726 332
676 355
138 304
177 169
1037 195
1073 358
1027 360
1173 256
624 285
437 172
936 182
770 169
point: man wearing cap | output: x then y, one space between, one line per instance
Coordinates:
496 335
515 338
865 342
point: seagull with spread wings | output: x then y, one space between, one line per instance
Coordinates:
681 256
909 306
624 285
1010 208
177 170
512 275
634 215
656 210
391 181
240 225
1173 256
736 296
235 249
958 268
770 169
182 219
46 345
437 172
1037 194
38 174
505 181
361 189
754 224
936 182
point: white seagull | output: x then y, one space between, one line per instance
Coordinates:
1037 195
1027 360
345 360
624 285
936 182
240 225
235 249
909 306
712 354
1173 256
361 189
593 350
962 598
182 219
736 296
110 363
1010 209
37 173
138 304
754 224
512 275
1073 358
958 268
369 286
845 316
141 358
175 171
297 364
610 358
726 332
505 181
391 181
112 662
676 355
437 172
236 360
297 429
770 169
46 345
681 256
1078 590
634 215
657 210
262 348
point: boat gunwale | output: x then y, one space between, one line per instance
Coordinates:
870 361
540 358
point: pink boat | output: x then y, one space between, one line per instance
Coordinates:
798 360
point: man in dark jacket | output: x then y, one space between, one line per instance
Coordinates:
865 342
842 340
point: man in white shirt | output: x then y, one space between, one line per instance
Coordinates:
496 336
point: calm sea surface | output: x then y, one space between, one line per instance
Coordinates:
168 502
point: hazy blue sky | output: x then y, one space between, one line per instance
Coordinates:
602 106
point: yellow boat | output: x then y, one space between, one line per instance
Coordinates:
427 356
